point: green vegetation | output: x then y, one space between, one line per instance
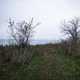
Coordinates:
48 62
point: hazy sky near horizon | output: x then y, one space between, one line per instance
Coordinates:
50 13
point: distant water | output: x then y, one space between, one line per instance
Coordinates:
42 41
33 42
7 41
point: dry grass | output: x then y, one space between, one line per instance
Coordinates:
48 62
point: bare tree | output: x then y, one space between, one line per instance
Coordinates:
72 30
22 31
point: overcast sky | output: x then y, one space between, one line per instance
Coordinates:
49 13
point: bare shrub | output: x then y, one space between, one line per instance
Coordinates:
72 30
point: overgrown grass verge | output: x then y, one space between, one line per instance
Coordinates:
47 63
